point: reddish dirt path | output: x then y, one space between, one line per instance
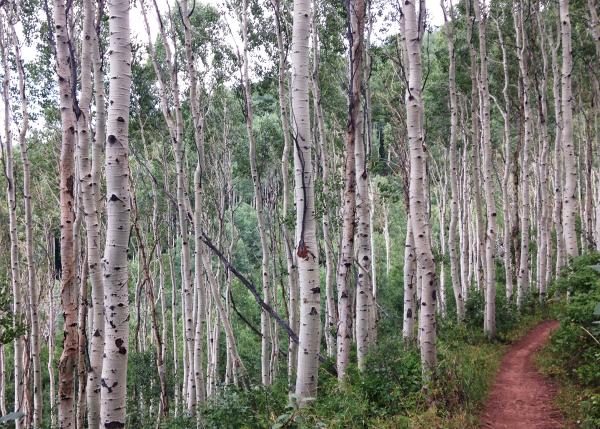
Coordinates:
520 397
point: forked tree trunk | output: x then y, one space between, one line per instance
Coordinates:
118 208
306 248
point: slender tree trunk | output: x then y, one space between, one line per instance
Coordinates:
544 218
410 281
476 142
522 52
68 360
290 257
116 300
28 213
258 198
306 248
418 197
18 345
571 204
488 179
364 297
330 307
452 233
558 158
507 198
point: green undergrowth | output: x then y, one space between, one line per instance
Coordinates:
572 357
388 394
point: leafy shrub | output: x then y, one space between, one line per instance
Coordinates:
507 316
573 354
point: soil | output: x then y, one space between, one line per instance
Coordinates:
521 398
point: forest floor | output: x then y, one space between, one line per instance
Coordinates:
521 398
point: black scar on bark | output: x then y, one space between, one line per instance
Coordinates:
433 295
313 311
409 313
114 425
316 290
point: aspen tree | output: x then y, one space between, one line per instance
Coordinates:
507 197
452 233
258 198
116 300
558 158
479 243
199 286
364 296
290 257
174 119
306 247
31 274
570 201
346 252
544 221
488 180
69 291
8 158
523 273
418 197
330 307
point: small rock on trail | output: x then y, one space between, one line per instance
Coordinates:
521 398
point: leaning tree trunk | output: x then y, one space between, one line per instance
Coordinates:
306 239
69 287
417 191
571 204
118 208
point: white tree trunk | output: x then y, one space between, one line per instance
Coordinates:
417 191
68 360
488 179
410 281
571 204
258 198
330 307
454 174
306 248
116 299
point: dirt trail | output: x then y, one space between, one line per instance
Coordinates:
520 397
